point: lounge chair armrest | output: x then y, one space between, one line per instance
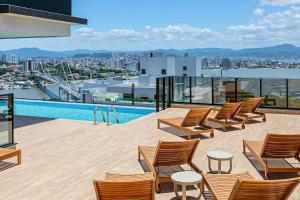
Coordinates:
216 109
260 112
197 169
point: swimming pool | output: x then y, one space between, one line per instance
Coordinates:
76 111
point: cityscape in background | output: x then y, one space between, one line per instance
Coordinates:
102 76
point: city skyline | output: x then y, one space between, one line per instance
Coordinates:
135 25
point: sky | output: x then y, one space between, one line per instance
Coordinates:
179 24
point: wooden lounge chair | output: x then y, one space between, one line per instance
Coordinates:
275 147
9 153
168 156
125 187
244 187
249 109
191 124
226 116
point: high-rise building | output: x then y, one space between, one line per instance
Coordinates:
4 57
29 65
86 62
205 63
170 66
226 63
13 59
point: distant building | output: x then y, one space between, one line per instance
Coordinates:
205 63
170 66
13 59
29 65
4 57
226 63
86 62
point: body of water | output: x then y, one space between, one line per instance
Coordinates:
74 111
255 73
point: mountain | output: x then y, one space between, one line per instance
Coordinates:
25 53
279 51
284 50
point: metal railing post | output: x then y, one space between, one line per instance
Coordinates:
260 87
236 89
133 94
172 84
287 93
11 99
169 92
190 83
164 94
157 95
212 92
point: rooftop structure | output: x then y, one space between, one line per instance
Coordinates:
170 66
27 19
61 157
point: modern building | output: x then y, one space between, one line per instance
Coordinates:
31 19
29 65
13 59
36 18
170 66
4 57
226 63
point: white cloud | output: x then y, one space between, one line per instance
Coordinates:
269 29
274 28
279 2
168 33
258 11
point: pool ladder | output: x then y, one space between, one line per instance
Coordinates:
110 108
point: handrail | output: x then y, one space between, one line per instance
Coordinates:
95 114
111 108
115 114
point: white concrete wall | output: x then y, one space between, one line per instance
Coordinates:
193 65
153 65
173 65
14 26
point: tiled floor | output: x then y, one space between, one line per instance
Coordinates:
61 158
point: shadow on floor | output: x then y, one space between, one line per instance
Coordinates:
177 133
22 121
6 165
278 162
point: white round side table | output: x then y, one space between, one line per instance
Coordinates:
184 179
219 156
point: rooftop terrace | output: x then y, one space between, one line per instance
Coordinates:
61 158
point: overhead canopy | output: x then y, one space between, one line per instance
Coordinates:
23 22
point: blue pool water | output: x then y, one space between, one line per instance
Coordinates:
72 111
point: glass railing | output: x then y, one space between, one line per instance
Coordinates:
278 93
6 120
127 95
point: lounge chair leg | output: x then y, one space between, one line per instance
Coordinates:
201 187
139 155
157 186
244 148
212 134
19 157
224 129
243 126
266 174
158 124
264 119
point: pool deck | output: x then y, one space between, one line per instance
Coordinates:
61 158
